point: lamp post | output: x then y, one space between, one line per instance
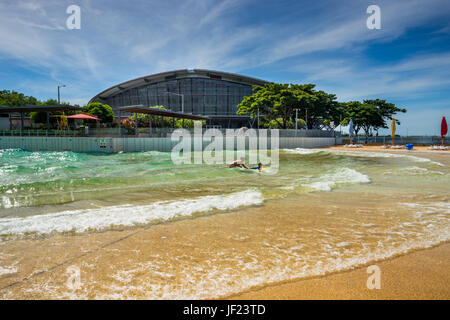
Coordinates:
258 118
296 121
306 118
59 93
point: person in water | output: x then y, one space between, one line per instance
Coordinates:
238 163
259 167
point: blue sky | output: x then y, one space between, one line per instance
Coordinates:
327 43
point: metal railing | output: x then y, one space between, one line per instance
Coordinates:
40 133
427 140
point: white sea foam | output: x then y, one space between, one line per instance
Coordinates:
372 154
321 185
7 270
431 208
414 170
125 215
363 153
302 151
341 176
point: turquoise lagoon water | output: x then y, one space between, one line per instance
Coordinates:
324 210
37 183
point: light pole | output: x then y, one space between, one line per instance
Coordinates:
306 118
296 121
258 118
59 93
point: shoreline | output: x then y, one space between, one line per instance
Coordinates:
417 149
420 275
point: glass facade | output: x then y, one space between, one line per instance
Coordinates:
202 96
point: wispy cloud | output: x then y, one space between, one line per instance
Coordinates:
324 42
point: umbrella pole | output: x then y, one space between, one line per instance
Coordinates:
97 128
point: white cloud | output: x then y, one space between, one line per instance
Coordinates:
155 34
123 40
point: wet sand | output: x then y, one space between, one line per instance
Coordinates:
422 274
151 262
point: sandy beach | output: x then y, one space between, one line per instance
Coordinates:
422 274
419 275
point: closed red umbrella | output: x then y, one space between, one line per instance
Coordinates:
443 129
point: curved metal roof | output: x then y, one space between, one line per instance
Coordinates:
176 74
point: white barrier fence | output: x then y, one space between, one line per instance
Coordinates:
108 145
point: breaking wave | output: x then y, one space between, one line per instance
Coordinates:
125 215
342 176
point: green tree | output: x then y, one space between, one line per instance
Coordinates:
103 111
157 121
13 99
322 110
188 124
364 116
276 102
369 115
275 124
160 121
142 119
41 116
387 111
51 102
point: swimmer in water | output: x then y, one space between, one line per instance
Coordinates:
238 163
259 167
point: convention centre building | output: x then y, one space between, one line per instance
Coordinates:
213 94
